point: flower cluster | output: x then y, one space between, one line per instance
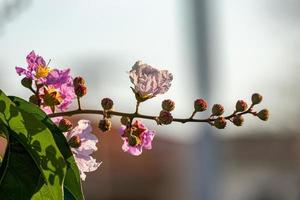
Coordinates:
55 89
51 87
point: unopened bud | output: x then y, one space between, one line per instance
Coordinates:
220 123
104 125
238 120
65 125
80 90
263 114
133 140
107 103
125 120
217 110
256 98
33 99
78 81
26 82
200 105
75 141
165 117
168 105
241 106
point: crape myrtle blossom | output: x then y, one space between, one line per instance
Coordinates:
56 86
148 81
82 154
36 69
141 135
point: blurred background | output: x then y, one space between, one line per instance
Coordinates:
220 50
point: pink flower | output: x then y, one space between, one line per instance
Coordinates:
63 83
59 81
58 77
36 69
82 154
148 81
142 138
67 95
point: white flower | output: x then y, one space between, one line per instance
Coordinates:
85 162
148 81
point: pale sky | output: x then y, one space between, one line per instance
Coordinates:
254 48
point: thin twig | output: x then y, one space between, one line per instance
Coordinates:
137 115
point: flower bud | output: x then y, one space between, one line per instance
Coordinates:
165 117
65 125
78 81
238 120
220 123
75 141
80 90
33 99
241 106
200 105
125 120
256 98
104 125
168 105
263 114
107 103
133 140
217 110
26 82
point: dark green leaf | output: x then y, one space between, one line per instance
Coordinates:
22 179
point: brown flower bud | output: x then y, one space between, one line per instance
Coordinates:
107 103
256 98
125 120
104 125
26 82
133 140
263 114
168 105
200 105
75 141
65 125
217 110
33 99
238 120
241 106
78 81
165 117
80 90
220 123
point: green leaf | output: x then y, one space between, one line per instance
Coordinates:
72 180
37 141
22 178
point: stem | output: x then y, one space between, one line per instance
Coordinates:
137 115
193 114
32 90
37 93
137 107
79 105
